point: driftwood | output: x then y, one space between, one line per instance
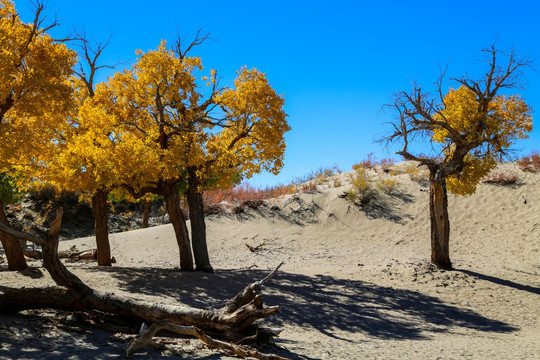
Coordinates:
254 249
235 322
71 255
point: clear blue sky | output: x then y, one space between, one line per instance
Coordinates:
335 62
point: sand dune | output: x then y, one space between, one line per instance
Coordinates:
356 282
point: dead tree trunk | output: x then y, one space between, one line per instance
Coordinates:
172 199
12 247
198 227
101 216
440 224
234 322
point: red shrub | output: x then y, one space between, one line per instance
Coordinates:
500 178
240 196
530 163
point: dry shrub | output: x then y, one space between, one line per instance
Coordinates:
319 176
415 172
387 185
500 178
368 163
386 163
308 187
372 162
530 163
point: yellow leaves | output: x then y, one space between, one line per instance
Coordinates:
511 118
475 169
253 139
486 133
508 116
145 125
35 91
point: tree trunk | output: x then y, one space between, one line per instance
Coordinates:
172 199
440 224
101 215
12 247
198 227
146 214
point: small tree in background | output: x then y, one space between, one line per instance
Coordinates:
470 126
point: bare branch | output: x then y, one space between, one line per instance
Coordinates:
497 77
199 39
20 235
91 55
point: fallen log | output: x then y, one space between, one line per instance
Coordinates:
235 322
72 255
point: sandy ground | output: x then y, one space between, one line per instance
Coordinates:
356 282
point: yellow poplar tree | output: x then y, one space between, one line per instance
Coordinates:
251 140
472 126
34 93
159 108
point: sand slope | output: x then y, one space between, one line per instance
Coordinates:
356 282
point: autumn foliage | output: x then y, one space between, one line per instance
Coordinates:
507 119
35 90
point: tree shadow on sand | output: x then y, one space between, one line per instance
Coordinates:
503 282
327 304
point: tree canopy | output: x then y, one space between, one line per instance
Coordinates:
35 88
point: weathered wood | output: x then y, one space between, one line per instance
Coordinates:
71 255
146 339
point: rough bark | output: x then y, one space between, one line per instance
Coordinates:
101 215
146 214
172 200
198 226
12 247
440 224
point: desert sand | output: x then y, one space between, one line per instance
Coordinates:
356 283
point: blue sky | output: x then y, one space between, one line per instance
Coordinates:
336 62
